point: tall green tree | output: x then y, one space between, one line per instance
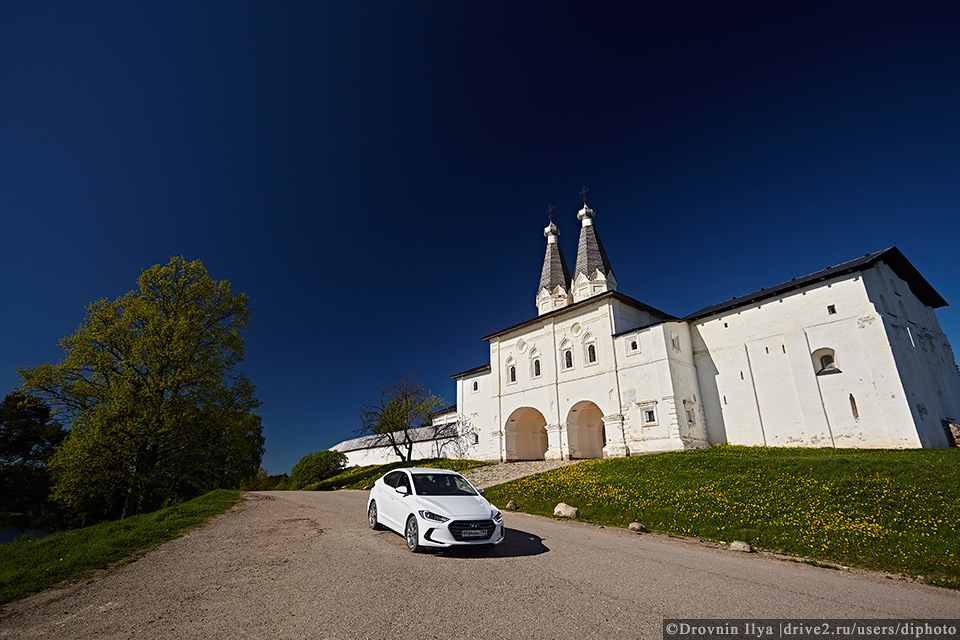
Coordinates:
317 466
404 404
28 437
150 386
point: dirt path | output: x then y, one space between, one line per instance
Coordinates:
305 565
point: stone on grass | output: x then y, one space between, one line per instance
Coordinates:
566 511
512 505
740 545
637 527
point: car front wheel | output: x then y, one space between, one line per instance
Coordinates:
372 516
412 533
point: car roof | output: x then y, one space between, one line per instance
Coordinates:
426 470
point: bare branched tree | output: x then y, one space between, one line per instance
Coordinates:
404 404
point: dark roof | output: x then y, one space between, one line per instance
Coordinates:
616 295
555 270
590 254
469 372
892 257
449 409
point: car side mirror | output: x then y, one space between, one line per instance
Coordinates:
402 490
480 490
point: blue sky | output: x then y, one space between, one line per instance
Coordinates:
374 175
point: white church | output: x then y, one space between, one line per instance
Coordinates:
850 356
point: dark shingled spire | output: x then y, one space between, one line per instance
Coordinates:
590 253
555 270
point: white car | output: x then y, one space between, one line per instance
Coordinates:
433 508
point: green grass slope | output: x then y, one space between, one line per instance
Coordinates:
28 566
360 477
895 511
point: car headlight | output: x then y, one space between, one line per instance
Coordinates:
496 515
430 515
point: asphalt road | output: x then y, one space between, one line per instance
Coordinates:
305 565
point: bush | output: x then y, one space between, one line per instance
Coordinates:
315 467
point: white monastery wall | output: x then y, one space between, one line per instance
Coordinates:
757 368
853 358
923 356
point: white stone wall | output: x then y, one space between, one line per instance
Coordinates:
746 376
758 376
925 362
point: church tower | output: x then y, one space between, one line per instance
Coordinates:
593 274
554 291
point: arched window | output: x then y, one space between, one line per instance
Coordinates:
513 373
903 311
568 359
591 353
476 385
536 368
824 362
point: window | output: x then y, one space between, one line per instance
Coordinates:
511 370
675 340
633 345
568 359
649 416
476 438
831 309
476 385
591 353
536 368
824 362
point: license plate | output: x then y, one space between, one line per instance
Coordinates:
475 533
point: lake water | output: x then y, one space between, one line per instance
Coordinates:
12 527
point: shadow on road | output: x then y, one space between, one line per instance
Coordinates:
515 544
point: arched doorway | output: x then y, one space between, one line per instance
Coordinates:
585 431
526 436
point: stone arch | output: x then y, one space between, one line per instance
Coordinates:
585 431
526 435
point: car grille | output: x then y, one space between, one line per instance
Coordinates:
463 530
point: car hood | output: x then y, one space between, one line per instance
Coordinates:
458 506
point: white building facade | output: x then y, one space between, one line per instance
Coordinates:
850 356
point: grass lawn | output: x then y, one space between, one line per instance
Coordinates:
28 566
895 511
360 477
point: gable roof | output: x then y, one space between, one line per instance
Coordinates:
892 257
484 368
616 295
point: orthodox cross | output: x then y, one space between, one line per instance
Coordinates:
583 194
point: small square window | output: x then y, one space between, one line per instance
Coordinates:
831 309
649 416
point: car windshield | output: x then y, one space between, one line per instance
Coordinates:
442 484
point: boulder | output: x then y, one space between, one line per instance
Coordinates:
740 545
566 511
637 527
512 505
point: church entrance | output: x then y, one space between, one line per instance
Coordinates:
526 435
585 431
